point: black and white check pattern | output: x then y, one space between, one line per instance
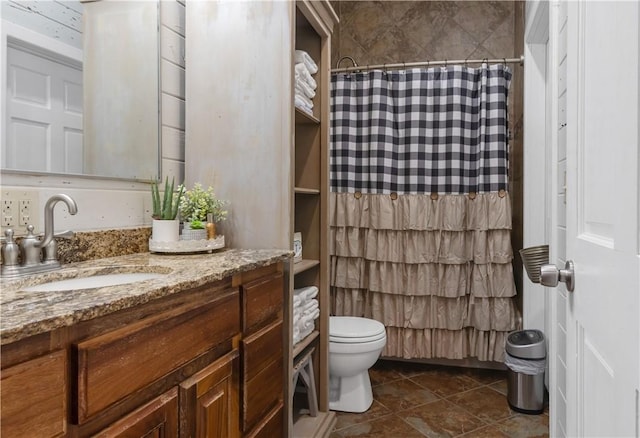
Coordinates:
441 130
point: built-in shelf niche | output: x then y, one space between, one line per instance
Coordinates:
314 24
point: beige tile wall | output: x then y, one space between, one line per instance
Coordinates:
379 32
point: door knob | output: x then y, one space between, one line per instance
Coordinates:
550 275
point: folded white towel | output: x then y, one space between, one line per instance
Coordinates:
303 74
306 293
304 89
301 56
308 320
301 334
306 101
310 306
297 301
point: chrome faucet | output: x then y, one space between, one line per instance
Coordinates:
31 248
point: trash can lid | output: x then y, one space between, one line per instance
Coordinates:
526 344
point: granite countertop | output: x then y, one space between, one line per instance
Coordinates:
24 314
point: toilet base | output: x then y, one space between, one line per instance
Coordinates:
350 394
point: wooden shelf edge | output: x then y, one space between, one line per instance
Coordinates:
306 118
304 265
300 346
305 191
316 427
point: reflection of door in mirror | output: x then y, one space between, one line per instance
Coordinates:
44 112
50 125
43 107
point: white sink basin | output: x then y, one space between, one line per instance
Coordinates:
93 281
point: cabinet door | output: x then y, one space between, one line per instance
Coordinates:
209 400
156 419
34 397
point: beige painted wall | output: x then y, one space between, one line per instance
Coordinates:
378 32
238 115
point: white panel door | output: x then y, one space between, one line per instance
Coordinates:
603 328
44 114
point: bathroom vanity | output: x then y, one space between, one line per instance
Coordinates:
197 351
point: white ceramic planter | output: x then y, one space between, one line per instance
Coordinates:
165 231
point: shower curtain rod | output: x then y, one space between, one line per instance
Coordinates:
357 67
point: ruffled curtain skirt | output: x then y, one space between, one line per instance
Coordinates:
436 272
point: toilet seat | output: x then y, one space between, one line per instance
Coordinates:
355 330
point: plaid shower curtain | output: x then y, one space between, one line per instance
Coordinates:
420 214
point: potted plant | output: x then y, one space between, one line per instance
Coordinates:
165 225
197 208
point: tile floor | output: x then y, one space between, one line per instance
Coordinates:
419 400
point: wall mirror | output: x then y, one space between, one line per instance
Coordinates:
82 88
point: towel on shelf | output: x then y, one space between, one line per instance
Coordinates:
310 306
309 319
304 89
301 334
304 311
306 292
303 74
299 103
305 325
300 56
305 100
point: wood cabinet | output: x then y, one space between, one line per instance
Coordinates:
262 354
123 361
34 397
178 366
209 400
156 419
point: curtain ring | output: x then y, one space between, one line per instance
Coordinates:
504 60
466 62
485 61
446 63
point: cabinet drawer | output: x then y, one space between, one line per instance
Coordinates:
116 364
272 426
261 393
34 397
261 348
261 300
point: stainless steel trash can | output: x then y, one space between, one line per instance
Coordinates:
526 359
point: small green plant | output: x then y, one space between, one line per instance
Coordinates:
197 225
197 203
167 207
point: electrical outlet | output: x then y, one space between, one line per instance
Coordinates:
8 214
18 209
24 212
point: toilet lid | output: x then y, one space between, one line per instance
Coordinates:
351 329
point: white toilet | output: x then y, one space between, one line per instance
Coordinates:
354 346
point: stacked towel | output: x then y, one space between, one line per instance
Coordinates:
305 85
305 311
